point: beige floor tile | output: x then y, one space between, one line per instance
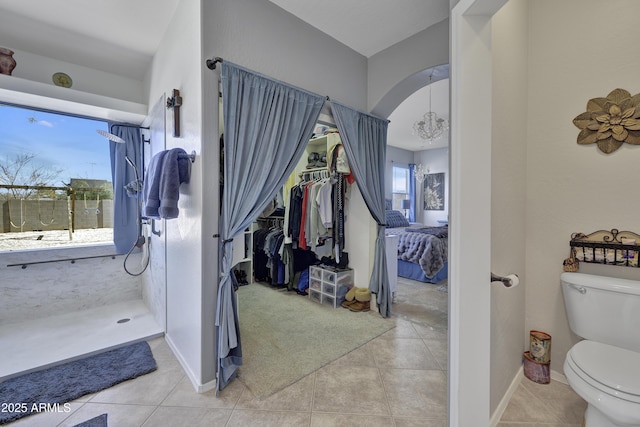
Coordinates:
560 399
439 348
403 329
416 393
419 422
166 416
161 349
117 415
186 396
296 397
524 406
248 417
534 424
338 420
150 389
361 356
398 379
434 331
404 353
345 390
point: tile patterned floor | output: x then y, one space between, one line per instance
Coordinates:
398 379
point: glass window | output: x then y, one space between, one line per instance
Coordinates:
400 186
55 180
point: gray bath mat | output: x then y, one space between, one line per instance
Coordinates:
50 389
99 421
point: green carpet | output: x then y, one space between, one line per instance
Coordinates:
285 336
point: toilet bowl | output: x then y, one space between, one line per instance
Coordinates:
604 368
608 378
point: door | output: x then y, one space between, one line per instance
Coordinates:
156 284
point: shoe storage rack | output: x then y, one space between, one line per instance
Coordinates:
329 285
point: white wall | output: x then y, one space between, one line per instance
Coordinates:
437 160
508 193
178 65
261 36
390 79
573 188
37 68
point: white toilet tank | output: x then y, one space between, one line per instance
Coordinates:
603 309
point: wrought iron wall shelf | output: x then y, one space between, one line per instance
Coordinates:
607 247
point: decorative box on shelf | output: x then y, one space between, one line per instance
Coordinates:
328 285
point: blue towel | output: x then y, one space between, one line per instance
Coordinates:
175 171
151 189
167 170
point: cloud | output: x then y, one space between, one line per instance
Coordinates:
40 122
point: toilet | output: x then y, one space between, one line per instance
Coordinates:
604 368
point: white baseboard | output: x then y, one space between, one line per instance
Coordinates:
502 406
200 388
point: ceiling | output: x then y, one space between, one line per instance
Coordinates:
368 26
93 33
99 35
400 132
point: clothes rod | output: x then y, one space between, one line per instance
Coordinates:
211 63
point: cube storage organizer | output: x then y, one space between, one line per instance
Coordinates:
328 285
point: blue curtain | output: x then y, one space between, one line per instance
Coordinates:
267 125
364 138
412 193
125 215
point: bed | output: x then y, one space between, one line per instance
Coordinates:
422 250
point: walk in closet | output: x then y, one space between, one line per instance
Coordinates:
265 152
305 225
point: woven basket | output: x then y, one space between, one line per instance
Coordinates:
571 264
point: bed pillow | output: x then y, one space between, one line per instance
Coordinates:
396 219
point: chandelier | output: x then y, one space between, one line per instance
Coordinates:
431 127
420 172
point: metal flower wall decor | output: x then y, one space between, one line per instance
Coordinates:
609 122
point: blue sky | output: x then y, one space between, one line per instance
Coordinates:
57 141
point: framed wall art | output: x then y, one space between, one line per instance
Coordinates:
434 192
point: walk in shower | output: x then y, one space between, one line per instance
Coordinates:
78 302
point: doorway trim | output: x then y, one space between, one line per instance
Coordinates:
470 212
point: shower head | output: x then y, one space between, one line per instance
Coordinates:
110 136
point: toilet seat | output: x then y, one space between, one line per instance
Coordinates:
612 370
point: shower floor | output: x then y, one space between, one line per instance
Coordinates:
32 345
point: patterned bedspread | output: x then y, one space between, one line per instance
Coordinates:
425 249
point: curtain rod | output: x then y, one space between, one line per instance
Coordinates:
211 63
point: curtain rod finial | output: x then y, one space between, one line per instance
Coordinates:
211 63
